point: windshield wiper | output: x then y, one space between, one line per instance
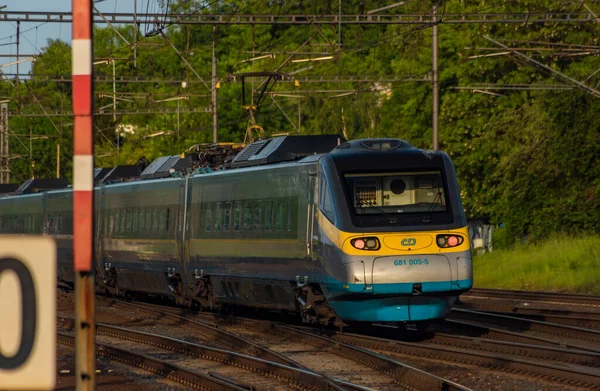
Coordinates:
391 219
436 200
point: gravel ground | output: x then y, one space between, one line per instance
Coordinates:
317 359
109 376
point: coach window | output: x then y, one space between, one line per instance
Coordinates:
111 224
289 216
281 214
134 220
148 220
162 222
155 218
325 201
167 217
227 216
115 217
247 215
257 215
269 215
141 219
51 223
208 217
218 216
123 220
128 220
237 215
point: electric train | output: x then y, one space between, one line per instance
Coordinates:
336 232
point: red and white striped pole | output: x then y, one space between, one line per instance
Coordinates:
83 195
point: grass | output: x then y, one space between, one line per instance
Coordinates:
557 265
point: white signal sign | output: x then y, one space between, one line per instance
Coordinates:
27 313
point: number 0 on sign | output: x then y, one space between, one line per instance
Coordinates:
27 313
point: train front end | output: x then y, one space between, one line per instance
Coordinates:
399 232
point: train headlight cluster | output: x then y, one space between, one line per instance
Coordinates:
366 243
445 241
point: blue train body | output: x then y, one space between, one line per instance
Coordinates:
372 231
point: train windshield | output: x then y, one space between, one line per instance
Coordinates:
396 193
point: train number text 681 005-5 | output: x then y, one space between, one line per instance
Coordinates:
404 262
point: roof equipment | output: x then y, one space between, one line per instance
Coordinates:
285 148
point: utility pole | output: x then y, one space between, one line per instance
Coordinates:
18 46
436 97
340 33
135 28
299 114
114 91
4 147
214 89
83 195
30 149
58 160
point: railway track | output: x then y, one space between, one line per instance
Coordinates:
499 350
183 376
474 352
525 325
403 376
569 318
291 377
542 307
530 296
469 329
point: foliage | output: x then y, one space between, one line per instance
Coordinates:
529 159
558 264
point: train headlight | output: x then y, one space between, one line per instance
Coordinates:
445 241
359 244
366 244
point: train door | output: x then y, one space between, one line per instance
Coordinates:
183 233
44 215
311 225
99 224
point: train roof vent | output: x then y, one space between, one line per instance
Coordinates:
251 150
100 173
375 144
39 185
121 174
284 148
7 188
164 166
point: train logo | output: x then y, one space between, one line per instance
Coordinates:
406 242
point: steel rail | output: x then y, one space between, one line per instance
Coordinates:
549 297
470 329
568 318
258 19
188 378
523 324
296 377
210 330
406 376
571 374
232 340
565 316
578 357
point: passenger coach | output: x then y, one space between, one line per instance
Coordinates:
362 231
